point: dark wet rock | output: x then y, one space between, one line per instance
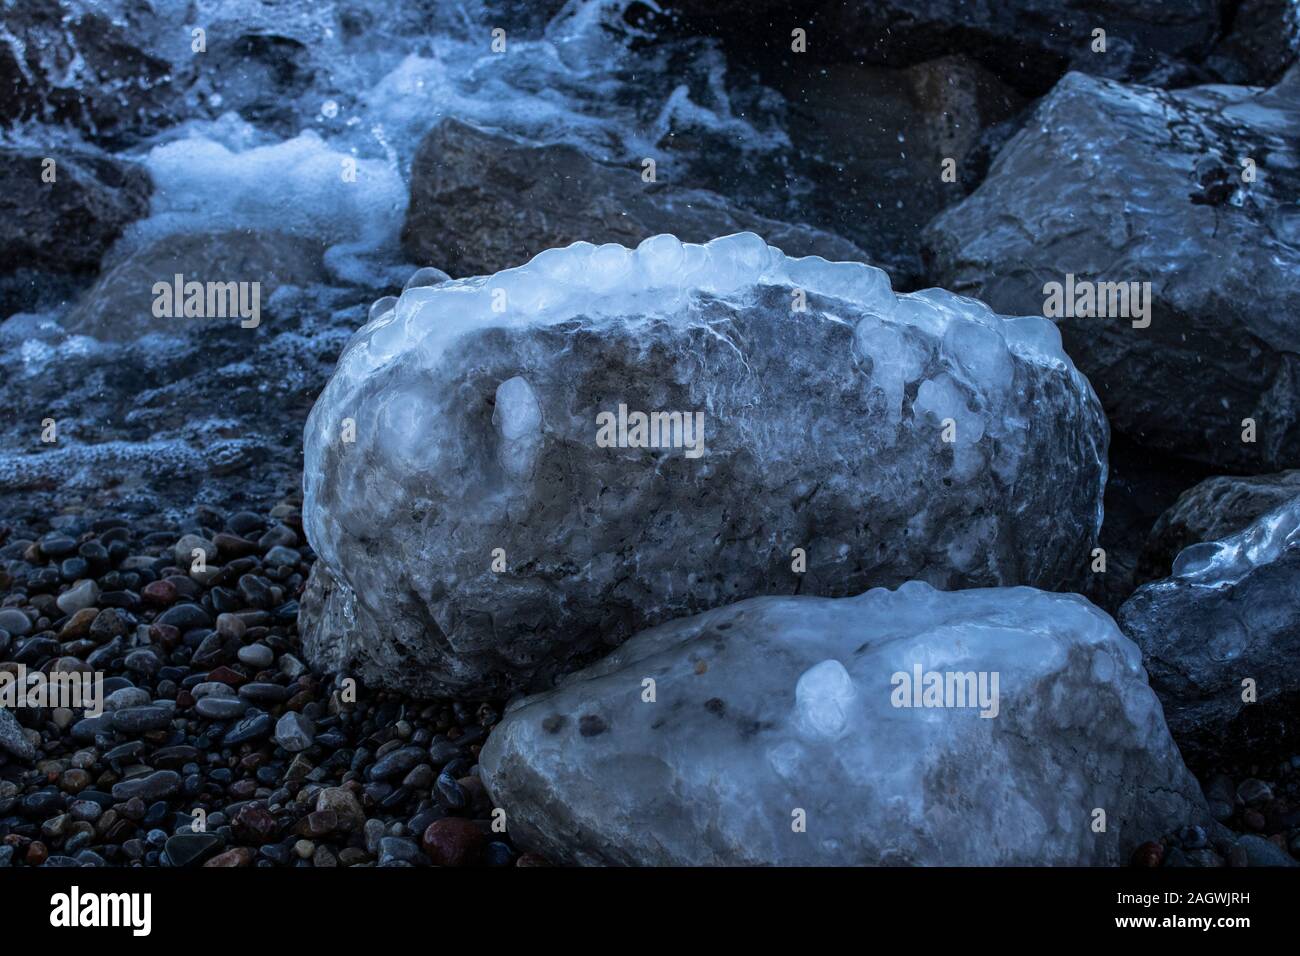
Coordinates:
1140 486
453 842
190 849
802 697
482 202
65 64
1261 43
1029 43
1123 184
1216 508
54 234
155 786
1220 638
872 143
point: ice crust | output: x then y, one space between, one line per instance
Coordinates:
1228 560
778 703
475 431
1227 613
662 275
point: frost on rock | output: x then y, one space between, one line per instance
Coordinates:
1227 616
774 731
486 515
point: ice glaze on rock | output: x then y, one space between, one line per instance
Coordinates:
476 446
778 705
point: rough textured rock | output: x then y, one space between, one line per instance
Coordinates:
1029 42
482 202
780 704
1140 486
871 146
12 738
120 307
1261 43
1227 614
1111 183
823 430
53 231
61 62
1215 508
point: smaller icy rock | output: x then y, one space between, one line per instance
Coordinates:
1227 615
981 727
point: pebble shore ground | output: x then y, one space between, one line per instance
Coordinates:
209 706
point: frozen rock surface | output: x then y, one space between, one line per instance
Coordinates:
454 439
1216 508
1227 614
1126 184
783 704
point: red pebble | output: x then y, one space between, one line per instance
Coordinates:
453 841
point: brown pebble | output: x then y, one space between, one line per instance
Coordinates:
453 841
78 626
159 594
239 856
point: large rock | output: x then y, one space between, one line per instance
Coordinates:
481 202
871 144
1220 638
706 740
1261 43
62 62
1029 42
1119 184
53 233
477 534
1215 508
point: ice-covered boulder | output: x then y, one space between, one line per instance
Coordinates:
1221 638
1190 192
985 727
489 509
